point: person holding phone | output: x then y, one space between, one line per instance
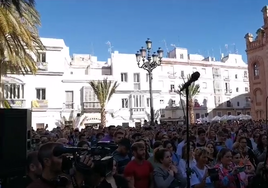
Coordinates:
228 173
241 167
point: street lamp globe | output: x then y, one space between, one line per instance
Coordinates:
155 57
160 53
143 52
138 56
148 44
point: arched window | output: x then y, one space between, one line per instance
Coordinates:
256 70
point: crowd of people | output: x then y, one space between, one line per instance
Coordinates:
230 154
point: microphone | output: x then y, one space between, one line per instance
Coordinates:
195 76
59 150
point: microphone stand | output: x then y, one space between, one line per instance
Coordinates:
188 169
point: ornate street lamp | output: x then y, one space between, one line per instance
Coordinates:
149 61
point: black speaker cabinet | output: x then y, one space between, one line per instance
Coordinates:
15 140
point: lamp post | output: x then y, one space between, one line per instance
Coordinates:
149 61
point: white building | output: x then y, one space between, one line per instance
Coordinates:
61 87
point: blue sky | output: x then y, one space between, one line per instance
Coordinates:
202 26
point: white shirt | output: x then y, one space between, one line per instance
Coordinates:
198 175
182 166
179 148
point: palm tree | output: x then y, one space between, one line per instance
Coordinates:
19 39
103 89
194 90
16 4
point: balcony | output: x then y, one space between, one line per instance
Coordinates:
39 104
172 92
216 76
42 66
91 107
245 79
137 86
16 103
68 105
137 112
217 91
228 92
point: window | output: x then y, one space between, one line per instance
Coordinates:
248 113
219 113
147 77
204 85
204 71
197 116
247 99
182 74
227 87
229 104
161 101
235 76
238 103
181 56
90 99
226 74
148 102
229 113
13 91
136 77
69 99
246 89
137 101
245 74
172 87
123 77
41 94
125 103
256 70
237 89
41 57
238 113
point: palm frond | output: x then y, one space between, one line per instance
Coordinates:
104 89
19 39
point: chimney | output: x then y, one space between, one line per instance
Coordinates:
222 56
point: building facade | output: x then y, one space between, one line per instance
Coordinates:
60 92
256 49
42 93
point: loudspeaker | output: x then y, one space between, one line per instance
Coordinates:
15 140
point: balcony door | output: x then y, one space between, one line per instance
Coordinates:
69 97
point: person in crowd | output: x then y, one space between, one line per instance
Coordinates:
182 163
121 156
200 176
110 135
261 150
118 135
51 166
246 152
83 144
201 140
238 161
172 148
63 141
221 140
182 143
156 146
212 153
167 175
139 171
114 180
254 140
228 173
34 171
